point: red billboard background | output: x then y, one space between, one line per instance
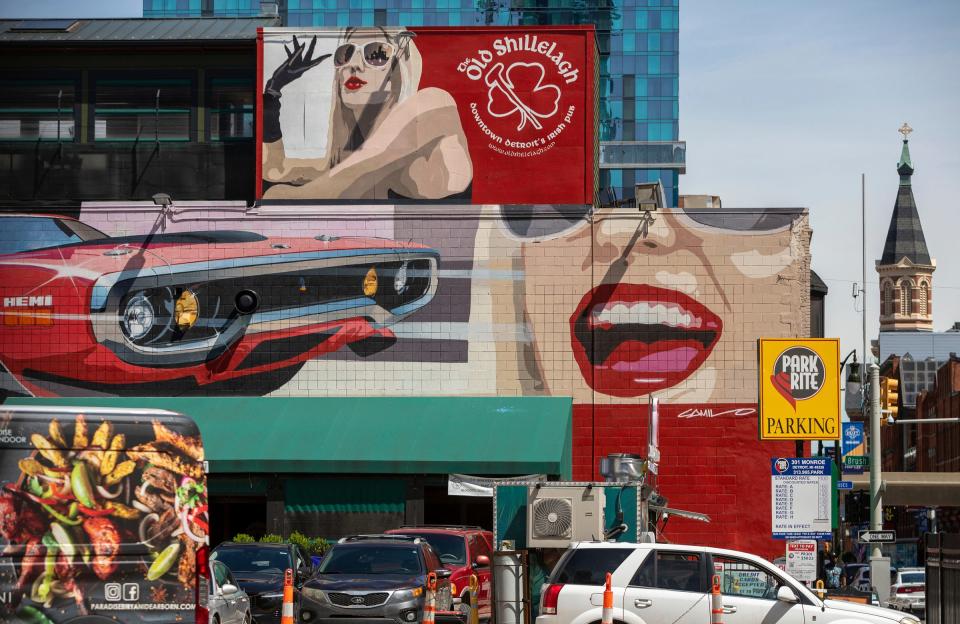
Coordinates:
524 98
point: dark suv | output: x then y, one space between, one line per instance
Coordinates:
259 568
465 551
374 578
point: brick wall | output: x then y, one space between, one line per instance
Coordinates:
712 463
938 444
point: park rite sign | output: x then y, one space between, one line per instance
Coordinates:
799 389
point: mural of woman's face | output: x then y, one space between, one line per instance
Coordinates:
676 311
366 70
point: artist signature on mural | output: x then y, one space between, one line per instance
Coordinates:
709 412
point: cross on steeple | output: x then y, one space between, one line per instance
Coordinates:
905 130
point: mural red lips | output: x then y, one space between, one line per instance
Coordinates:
353 83
782 383
631 339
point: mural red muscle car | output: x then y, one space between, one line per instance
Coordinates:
170 314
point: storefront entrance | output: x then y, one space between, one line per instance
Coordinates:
236 514
441 508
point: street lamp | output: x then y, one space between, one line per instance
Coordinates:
164 201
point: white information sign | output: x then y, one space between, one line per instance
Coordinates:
801 504
802 560
469 485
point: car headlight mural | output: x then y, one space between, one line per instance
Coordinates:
186 310
400 279
138 317
160 317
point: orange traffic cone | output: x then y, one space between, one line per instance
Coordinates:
430 600
607 617
716 602
286 613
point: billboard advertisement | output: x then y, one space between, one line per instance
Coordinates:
799 381
457 115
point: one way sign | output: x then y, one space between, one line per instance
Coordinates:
877 537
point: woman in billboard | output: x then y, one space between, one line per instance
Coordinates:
387 139
672 307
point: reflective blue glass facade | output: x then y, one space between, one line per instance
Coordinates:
639 57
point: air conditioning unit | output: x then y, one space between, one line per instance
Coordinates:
557 516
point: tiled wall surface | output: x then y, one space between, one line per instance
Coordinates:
565 301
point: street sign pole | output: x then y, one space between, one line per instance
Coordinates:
879 565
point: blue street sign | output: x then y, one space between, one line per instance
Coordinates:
844 485
853 448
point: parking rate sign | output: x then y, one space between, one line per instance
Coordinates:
801 503
801 561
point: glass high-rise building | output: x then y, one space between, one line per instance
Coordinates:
639 54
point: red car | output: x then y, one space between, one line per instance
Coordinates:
199 312
464 550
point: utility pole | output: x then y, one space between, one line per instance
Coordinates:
879 565
863 284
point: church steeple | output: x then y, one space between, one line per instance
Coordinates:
905 268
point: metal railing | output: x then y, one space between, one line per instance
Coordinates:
943 578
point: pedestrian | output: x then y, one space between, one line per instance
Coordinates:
833 574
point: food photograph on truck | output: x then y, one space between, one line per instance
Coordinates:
99 516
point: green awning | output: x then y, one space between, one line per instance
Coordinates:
381 435
355 495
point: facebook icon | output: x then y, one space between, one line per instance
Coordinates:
131 592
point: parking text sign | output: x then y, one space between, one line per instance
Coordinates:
802 560
801 498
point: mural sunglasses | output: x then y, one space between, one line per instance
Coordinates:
375 54
543 221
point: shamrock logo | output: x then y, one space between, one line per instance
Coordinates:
507 85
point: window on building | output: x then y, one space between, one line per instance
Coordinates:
37 110
145 110
231 108
887 299
923 298
905 307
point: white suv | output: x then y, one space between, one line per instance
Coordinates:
670 584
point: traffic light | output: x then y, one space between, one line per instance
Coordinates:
889 397
857 507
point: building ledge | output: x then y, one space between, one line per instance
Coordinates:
644 155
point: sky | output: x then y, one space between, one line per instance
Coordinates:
787 104
71 8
